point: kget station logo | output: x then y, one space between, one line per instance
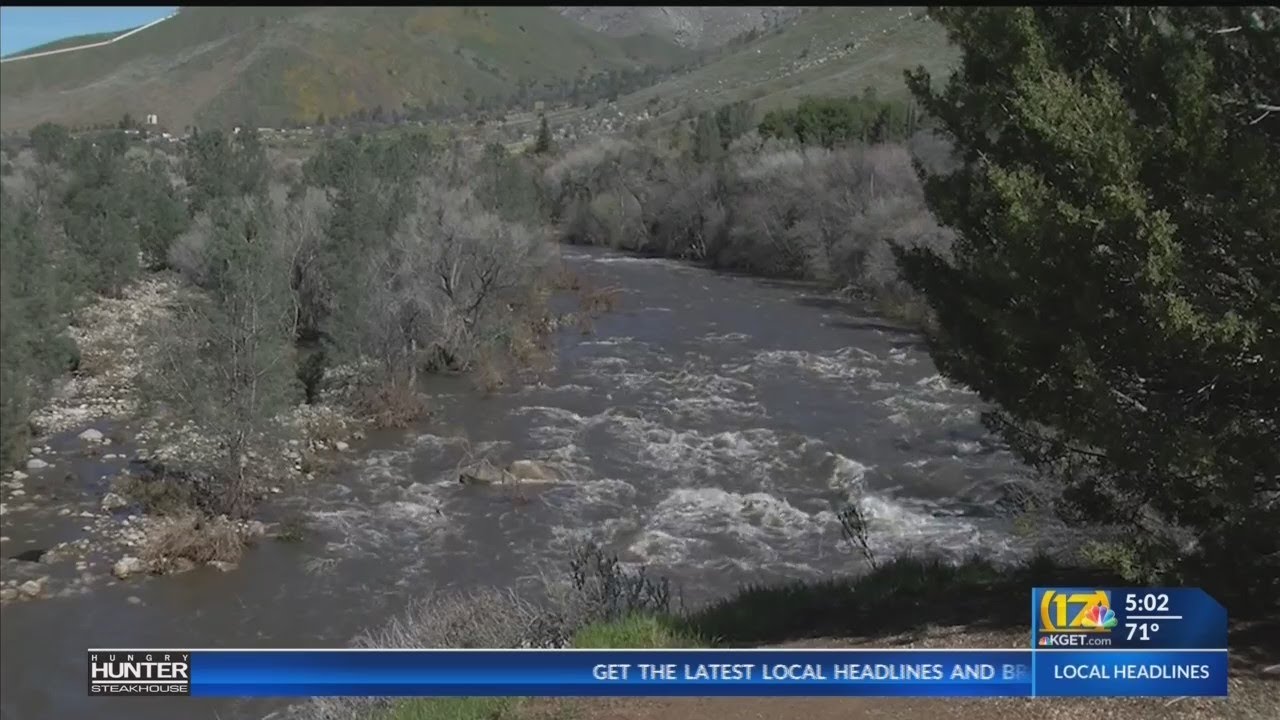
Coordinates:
1076 619
139 673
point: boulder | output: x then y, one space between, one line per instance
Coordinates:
91 435
128 565
341 446
482 473
113 501
36 464
32 588
531 471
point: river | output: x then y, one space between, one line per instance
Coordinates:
711 427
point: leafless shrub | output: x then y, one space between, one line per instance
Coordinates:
854 529
450 288
485 618
599 588
389 404
191 537
596 588
596 301
186 254
566 279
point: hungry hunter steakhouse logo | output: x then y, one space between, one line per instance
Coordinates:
139 673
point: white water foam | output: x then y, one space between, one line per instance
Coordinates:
845 365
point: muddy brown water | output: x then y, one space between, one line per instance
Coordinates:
711 427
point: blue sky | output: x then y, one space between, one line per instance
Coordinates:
24 27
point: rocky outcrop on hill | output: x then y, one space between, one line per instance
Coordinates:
691 27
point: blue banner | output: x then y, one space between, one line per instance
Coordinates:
705 673
1127 619
619 673
1130 673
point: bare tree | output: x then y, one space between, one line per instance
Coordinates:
447 288
225 356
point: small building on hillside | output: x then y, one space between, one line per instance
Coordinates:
152 119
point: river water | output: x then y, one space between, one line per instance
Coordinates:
711 427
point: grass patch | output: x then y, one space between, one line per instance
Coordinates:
637 632
293 529
476 708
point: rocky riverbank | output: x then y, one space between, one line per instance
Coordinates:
70 520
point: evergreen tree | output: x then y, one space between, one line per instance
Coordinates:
543 144
707 145
50 141
99 216
34 346
160 215
1113 286
218 165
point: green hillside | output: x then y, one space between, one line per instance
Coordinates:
826 51
266 65
830 51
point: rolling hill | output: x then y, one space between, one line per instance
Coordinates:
829 51
825 51
267 65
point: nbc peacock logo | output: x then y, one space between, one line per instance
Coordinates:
1100 617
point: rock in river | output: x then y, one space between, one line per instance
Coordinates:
113 501
91 435
128 565
36 464
32 588
531 471
519 471
481 473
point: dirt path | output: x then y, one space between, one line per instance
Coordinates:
1254 695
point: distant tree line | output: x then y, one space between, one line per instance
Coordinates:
86 218
585 89
833 121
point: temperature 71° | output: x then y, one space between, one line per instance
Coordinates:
1143 630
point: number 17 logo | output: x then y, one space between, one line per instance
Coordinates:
1076 612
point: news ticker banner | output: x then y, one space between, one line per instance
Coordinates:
1115 653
